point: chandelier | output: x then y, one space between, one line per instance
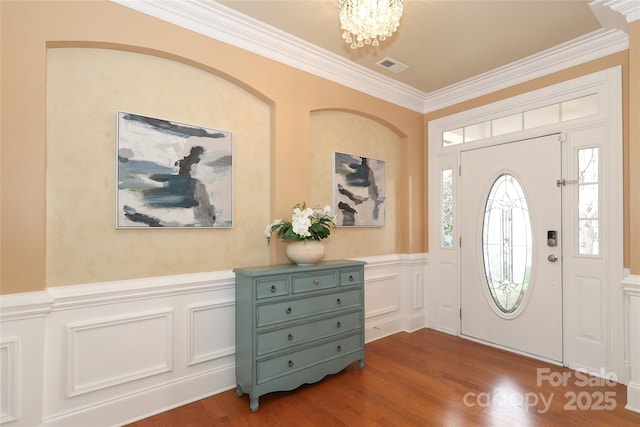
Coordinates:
367 21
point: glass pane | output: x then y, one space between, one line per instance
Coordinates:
579 107
452 137
542 116
479 131
588 201
507 124
588 230
588 165
447 207
507 243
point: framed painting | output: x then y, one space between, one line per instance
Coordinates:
358 191
172 174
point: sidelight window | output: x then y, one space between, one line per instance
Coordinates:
588 189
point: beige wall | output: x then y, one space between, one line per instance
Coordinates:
85 88
31 225
632 153
47 235
349 133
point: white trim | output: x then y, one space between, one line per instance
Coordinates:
88 294
90 331
616 13
9 350
222 23
24 305
227 25
584 49
192 333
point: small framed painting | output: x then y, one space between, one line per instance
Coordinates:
358 191
172 174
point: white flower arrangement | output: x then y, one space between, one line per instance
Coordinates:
306 223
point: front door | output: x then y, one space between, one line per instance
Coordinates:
511 284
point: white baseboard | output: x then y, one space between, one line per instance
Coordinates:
147 402
633 397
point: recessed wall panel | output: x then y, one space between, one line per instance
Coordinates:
211 331
113 351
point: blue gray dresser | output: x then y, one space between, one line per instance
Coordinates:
297 324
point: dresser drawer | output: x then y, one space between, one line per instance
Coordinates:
272 287
351 277
270 313
293 335
314 282
282 365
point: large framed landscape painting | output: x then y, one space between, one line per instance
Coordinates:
358 191
172 174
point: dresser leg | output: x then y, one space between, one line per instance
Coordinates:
239 391
361 364
253 403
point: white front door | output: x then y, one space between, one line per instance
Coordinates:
511 267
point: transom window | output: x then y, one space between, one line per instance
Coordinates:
551 114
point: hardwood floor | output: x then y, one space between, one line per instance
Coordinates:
426 378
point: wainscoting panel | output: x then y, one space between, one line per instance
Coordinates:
124 350
107 352
9 385
22 354
211 331
116 352
631 291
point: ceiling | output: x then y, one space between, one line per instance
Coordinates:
442 41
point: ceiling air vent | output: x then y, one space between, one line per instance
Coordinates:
392 65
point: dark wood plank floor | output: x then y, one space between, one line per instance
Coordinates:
426 378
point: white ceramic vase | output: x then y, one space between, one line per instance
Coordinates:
305 252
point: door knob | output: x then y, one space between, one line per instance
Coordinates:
552 258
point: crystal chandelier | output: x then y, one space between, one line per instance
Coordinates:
367 21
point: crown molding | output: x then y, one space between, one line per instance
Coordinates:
578 51
222 23
628 9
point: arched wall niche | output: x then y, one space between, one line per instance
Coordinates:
352 132
87 83
160 54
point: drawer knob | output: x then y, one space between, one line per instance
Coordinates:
339 348
290 363
289 310
338 325
290 337
339 301
273 288
351 277
316 281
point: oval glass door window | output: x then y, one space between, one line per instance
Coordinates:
506 243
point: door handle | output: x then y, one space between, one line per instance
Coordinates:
552 258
